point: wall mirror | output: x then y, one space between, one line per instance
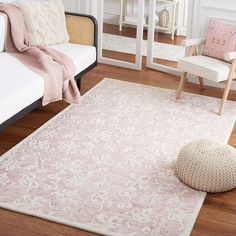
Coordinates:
120 45
167 30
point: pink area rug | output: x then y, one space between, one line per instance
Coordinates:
107 165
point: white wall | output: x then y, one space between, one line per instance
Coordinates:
223 9
183 17
71 5
112 11
82 6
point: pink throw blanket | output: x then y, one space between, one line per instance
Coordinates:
56 68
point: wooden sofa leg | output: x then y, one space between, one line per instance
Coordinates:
78 82
181 85
201 82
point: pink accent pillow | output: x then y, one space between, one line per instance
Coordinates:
221 38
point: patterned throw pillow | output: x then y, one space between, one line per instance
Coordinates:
45 21
221 38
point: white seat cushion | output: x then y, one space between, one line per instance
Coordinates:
206 67
2 32
83 56
19 86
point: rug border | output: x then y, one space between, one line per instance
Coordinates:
70 223
195 214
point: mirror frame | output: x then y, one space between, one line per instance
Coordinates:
137 65
151 35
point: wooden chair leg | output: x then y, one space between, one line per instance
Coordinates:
225 96
201 82
181 85
228 85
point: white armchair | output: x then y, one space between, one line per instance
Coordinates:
207 68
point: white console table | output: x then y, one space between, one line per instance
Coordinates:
131 18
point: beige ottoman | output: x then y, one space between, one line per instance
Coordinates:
207 166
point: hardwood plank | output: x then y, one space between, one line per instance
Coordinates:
29 225
7 230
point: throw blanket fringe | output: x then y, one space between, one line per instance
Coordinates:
56 68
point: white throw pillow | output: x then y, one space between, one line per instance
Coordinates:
45 21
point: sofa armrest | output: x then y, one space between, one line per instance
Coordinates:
83 29
229 56
194 42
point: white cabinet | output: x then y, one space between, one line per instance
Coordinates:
128 14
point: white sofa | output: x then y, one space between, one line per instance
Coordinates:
21 89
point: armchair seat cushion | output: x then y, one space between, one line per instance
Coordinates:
82 55
205 67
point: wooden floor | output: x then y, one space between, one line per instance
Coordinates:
218 214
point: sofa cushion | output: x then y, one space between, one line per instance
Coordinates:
2 32
19 88
83 56
206 67
44 21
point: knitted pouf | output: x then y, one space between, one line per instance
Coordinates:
207 166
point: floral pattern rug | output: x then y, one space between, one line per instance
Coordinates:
107 165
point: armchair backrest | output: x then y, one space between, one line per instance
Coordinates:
221 39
